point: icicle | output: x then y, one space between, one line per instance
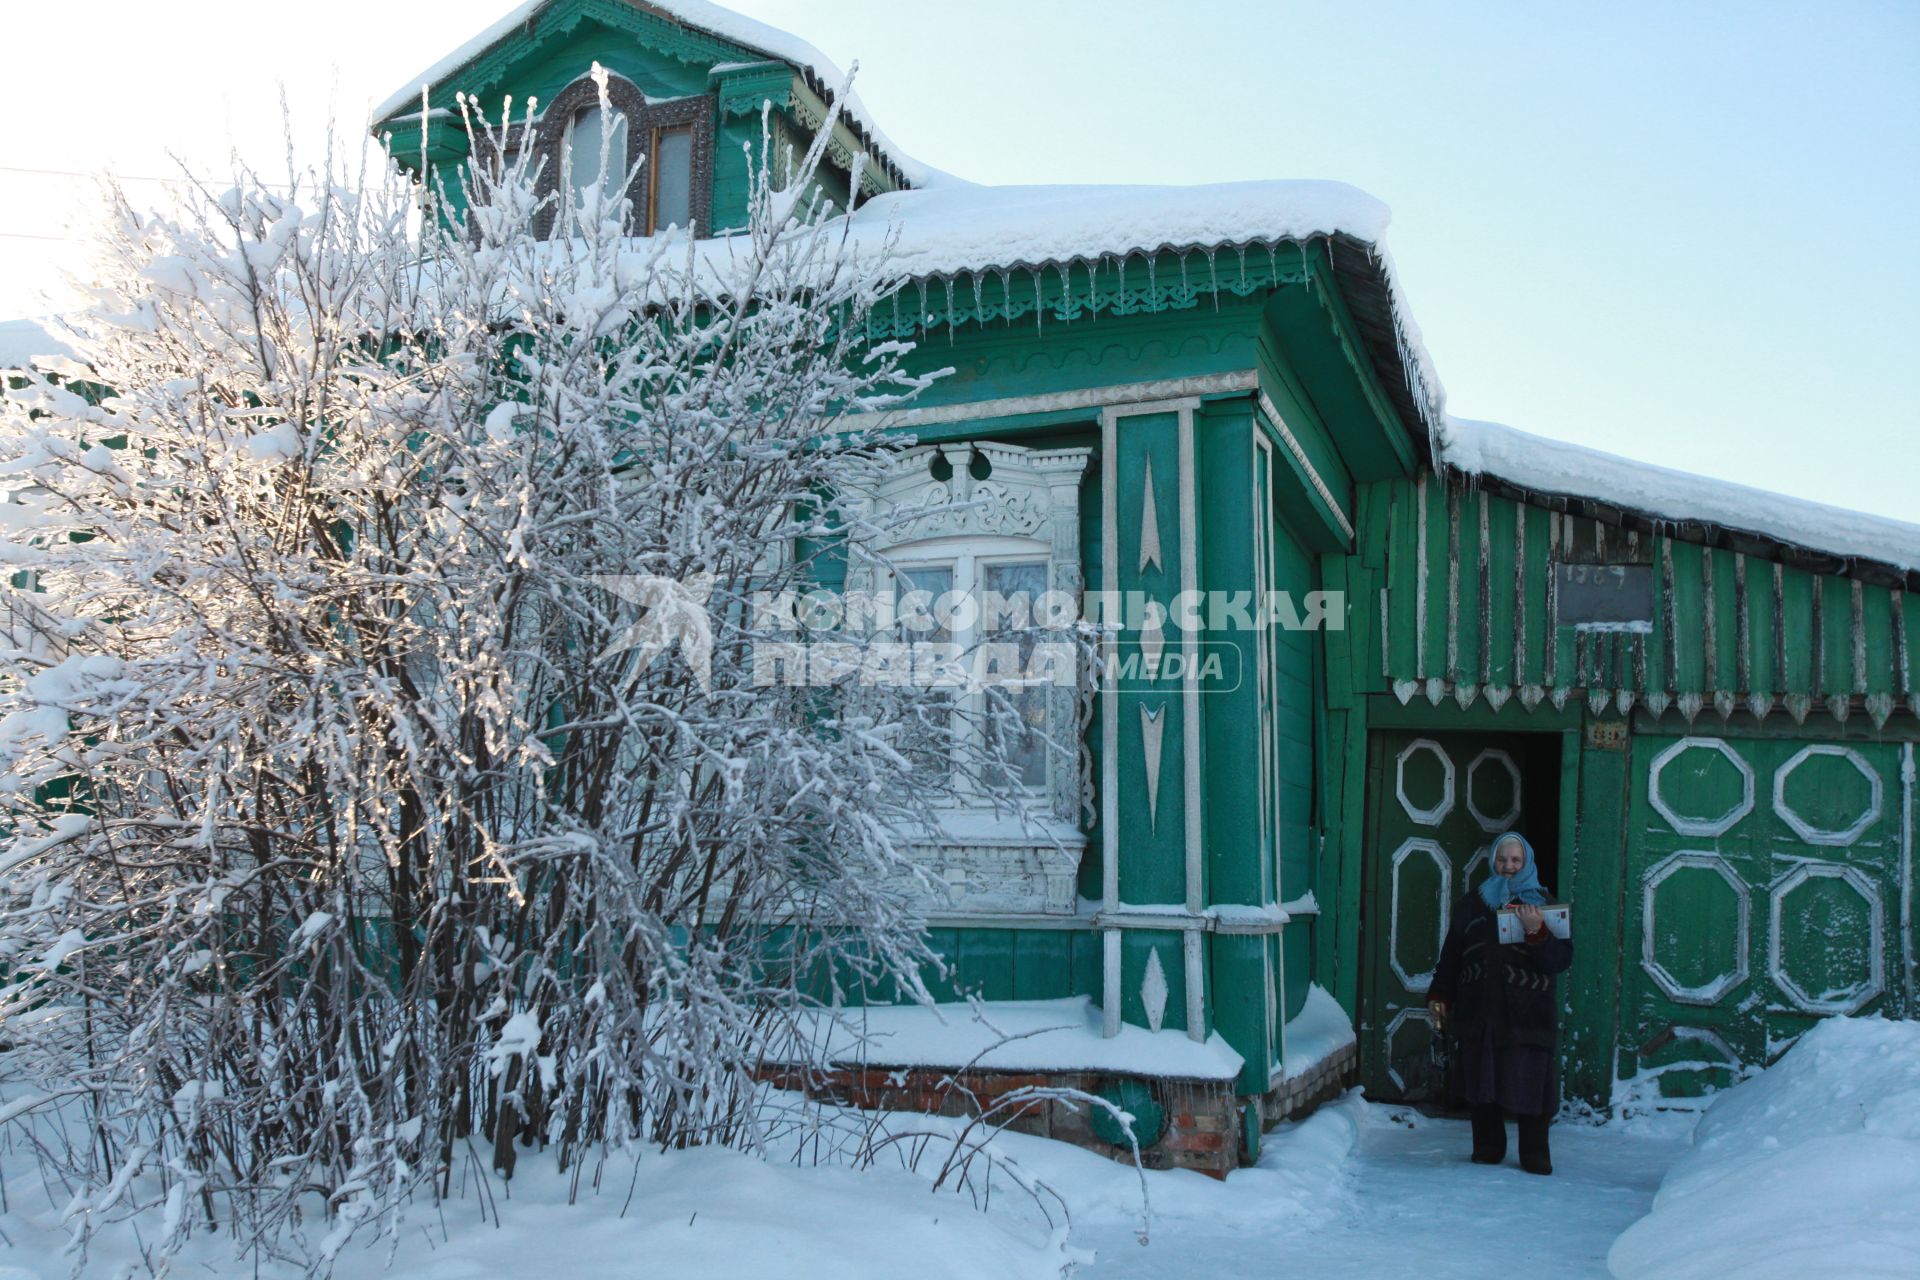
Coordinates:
1185 288
952 322
1241 249
1039 301
979 305
920 320
1273 261
1006 294
1153 290
1213 275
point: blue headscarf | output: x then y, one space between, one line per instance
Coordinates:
1522 886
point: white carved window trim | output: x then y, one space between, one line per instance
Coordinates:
1026 509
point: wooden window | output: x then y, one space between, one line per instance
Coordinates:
671 140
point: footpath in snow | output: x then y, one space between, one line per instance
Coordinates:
1413 1205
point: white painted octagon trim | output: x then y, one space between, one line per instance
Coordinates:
1400 1019
1430 817
1860 993
1700 826
1494 825
1411 846
1806 830
1706 993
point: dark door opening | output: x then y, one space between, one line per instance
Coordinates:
1436 801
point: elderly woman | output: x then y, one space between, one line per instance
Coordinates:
1499 1003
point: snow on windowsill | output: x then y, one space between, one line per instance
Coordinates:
1002 827
1054 1035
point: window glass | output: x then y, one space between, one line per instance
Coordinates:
1013 597
583 152
927 740
672 162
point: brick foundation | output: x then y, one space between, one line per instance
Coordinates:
1205 1123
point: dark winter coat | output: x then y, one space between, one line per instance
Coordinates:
1509 990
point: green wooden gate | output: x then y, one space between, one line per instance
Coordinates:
1435 802
1764 891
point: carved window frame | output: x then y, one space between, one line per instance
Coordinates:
1026 509
645 119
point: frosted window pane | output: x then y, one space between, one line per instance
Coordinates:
583 152
1019 587
926 738
673 179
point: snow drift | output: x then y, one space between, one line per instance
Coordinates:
1811 1168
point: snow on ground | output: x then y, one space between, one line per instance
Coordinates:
707 1212
1811 1168
1409 1203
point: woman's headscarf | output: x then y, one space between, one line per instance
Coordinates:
1522 886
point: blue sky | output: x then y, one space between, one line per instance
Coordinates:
1685 232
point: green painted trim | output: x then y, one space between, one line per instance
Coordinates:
1386 712
1597 885
1393 433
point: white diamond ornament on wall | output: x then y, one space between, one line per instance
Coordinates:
1153 991
1149 523
1153 729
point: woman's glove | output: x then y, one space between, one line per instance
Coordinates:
1533 921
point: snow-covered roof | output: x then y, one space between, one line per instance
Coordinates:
21 340
1545 466
713 20
952 230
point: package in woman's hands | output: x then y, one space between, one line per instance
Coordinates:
1558 917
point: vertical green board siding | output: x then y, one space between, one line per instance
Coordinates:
1152 848
1470 611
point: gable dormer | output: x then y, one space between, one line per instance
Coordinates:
687 95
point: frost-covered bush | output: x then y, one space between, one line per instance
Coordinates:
386 776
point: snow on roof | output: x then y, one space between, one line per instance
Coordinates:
946 231
1052 1035
703 16
21 340
1554 466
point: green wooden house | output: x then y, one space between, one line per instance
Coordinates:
1698 701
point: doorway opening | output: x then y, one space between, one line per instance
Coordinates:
1436 801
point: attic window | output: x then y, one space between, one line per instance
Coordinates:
671 141
585 153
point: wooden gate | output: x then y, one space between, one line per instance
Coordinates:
1764 891
1435 802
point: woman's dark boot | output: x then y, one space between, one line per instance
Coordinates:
1489 1135
1534 1156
